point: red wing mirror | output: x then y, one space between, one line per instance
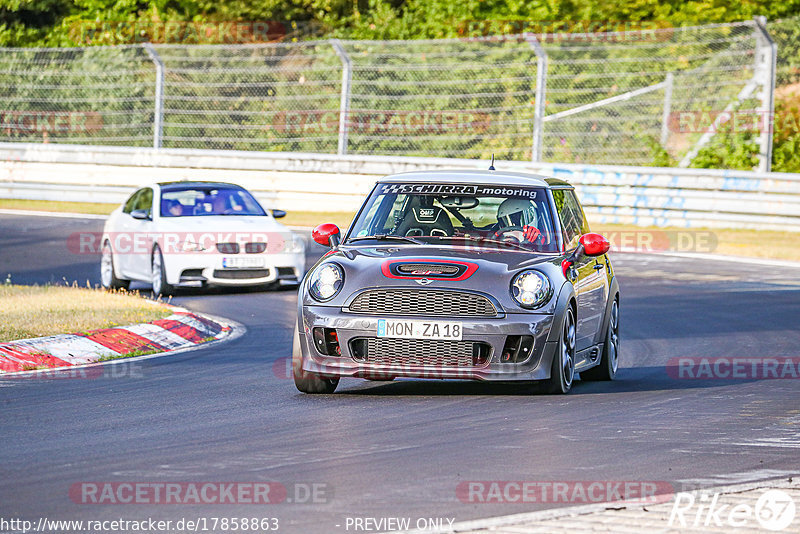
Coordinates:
594 244
326 235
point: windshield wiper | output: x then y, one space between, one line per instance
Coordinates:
386 237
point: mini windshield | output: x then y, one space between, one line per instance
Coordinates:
495 215
198 201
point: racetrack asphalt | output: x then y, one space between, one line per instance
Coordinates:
231 413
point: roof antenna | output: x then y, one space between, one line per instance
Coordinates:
491 165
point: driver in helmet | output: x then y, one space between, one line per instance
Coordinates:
518 215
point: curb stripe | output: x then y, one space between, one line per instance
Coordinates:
16 358
162 336
180 330
71 348
122 341
200 323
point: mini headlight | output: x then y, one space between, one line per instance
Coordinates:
531 289
326 282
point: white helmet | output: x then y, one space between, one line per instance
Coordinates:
516 212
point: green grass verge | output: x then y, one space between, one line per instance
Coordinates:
35 311
767 244
131 354
93 208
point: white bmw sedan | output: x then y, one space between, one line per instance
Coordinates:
192 234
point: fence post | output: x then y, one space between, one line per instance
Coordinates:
344 102
158 112
538 110
765 66
668 83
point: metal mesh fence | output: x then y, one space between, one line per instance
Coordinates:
623 102
102 95
786 34
252 97
625 98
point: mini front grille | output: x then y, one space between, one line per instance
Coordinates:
228 248
286 271
420 352
241 274
255 248
427 302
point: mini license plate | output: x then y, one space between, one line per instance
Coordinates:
419 329
242 263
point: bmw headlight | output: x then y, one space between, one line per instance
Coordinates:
326 282
531 289
191 246
297 245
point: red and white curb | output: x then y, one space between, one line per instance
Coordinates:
181 330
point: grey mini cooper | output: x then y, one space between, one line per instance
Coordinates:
463 275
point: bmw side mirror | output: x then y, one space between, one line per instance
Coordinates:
142 215
278 213
326 235
594 244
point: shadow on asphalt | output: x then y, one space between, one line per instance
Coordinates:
630 380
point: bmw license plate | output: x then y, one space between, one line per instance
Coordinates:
419 329
242 263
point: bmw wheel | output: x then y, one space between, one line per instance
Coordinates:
609 362
159 275
562 371
305 381
108 278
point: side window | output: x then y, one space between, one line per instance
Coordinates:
575 204
131 202
571 215
144 201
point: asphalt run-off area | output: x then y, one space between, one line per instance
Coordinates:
228 420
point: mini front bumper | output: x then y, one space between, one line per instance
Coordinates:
493 331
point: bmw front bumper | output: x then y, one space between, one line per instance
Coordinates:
197 269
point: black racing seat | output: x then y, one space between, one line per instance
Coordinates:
425 221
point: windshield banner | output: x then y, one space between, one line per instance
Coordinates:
459 189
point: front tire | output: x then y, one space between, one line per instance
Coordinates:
108 278
305 381
159 275
609 362
562 371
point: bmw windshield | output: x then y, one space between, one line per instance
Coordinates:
492 215
212 200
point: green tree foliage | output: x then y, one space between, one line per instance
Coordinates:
53 22
786 140
66 23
